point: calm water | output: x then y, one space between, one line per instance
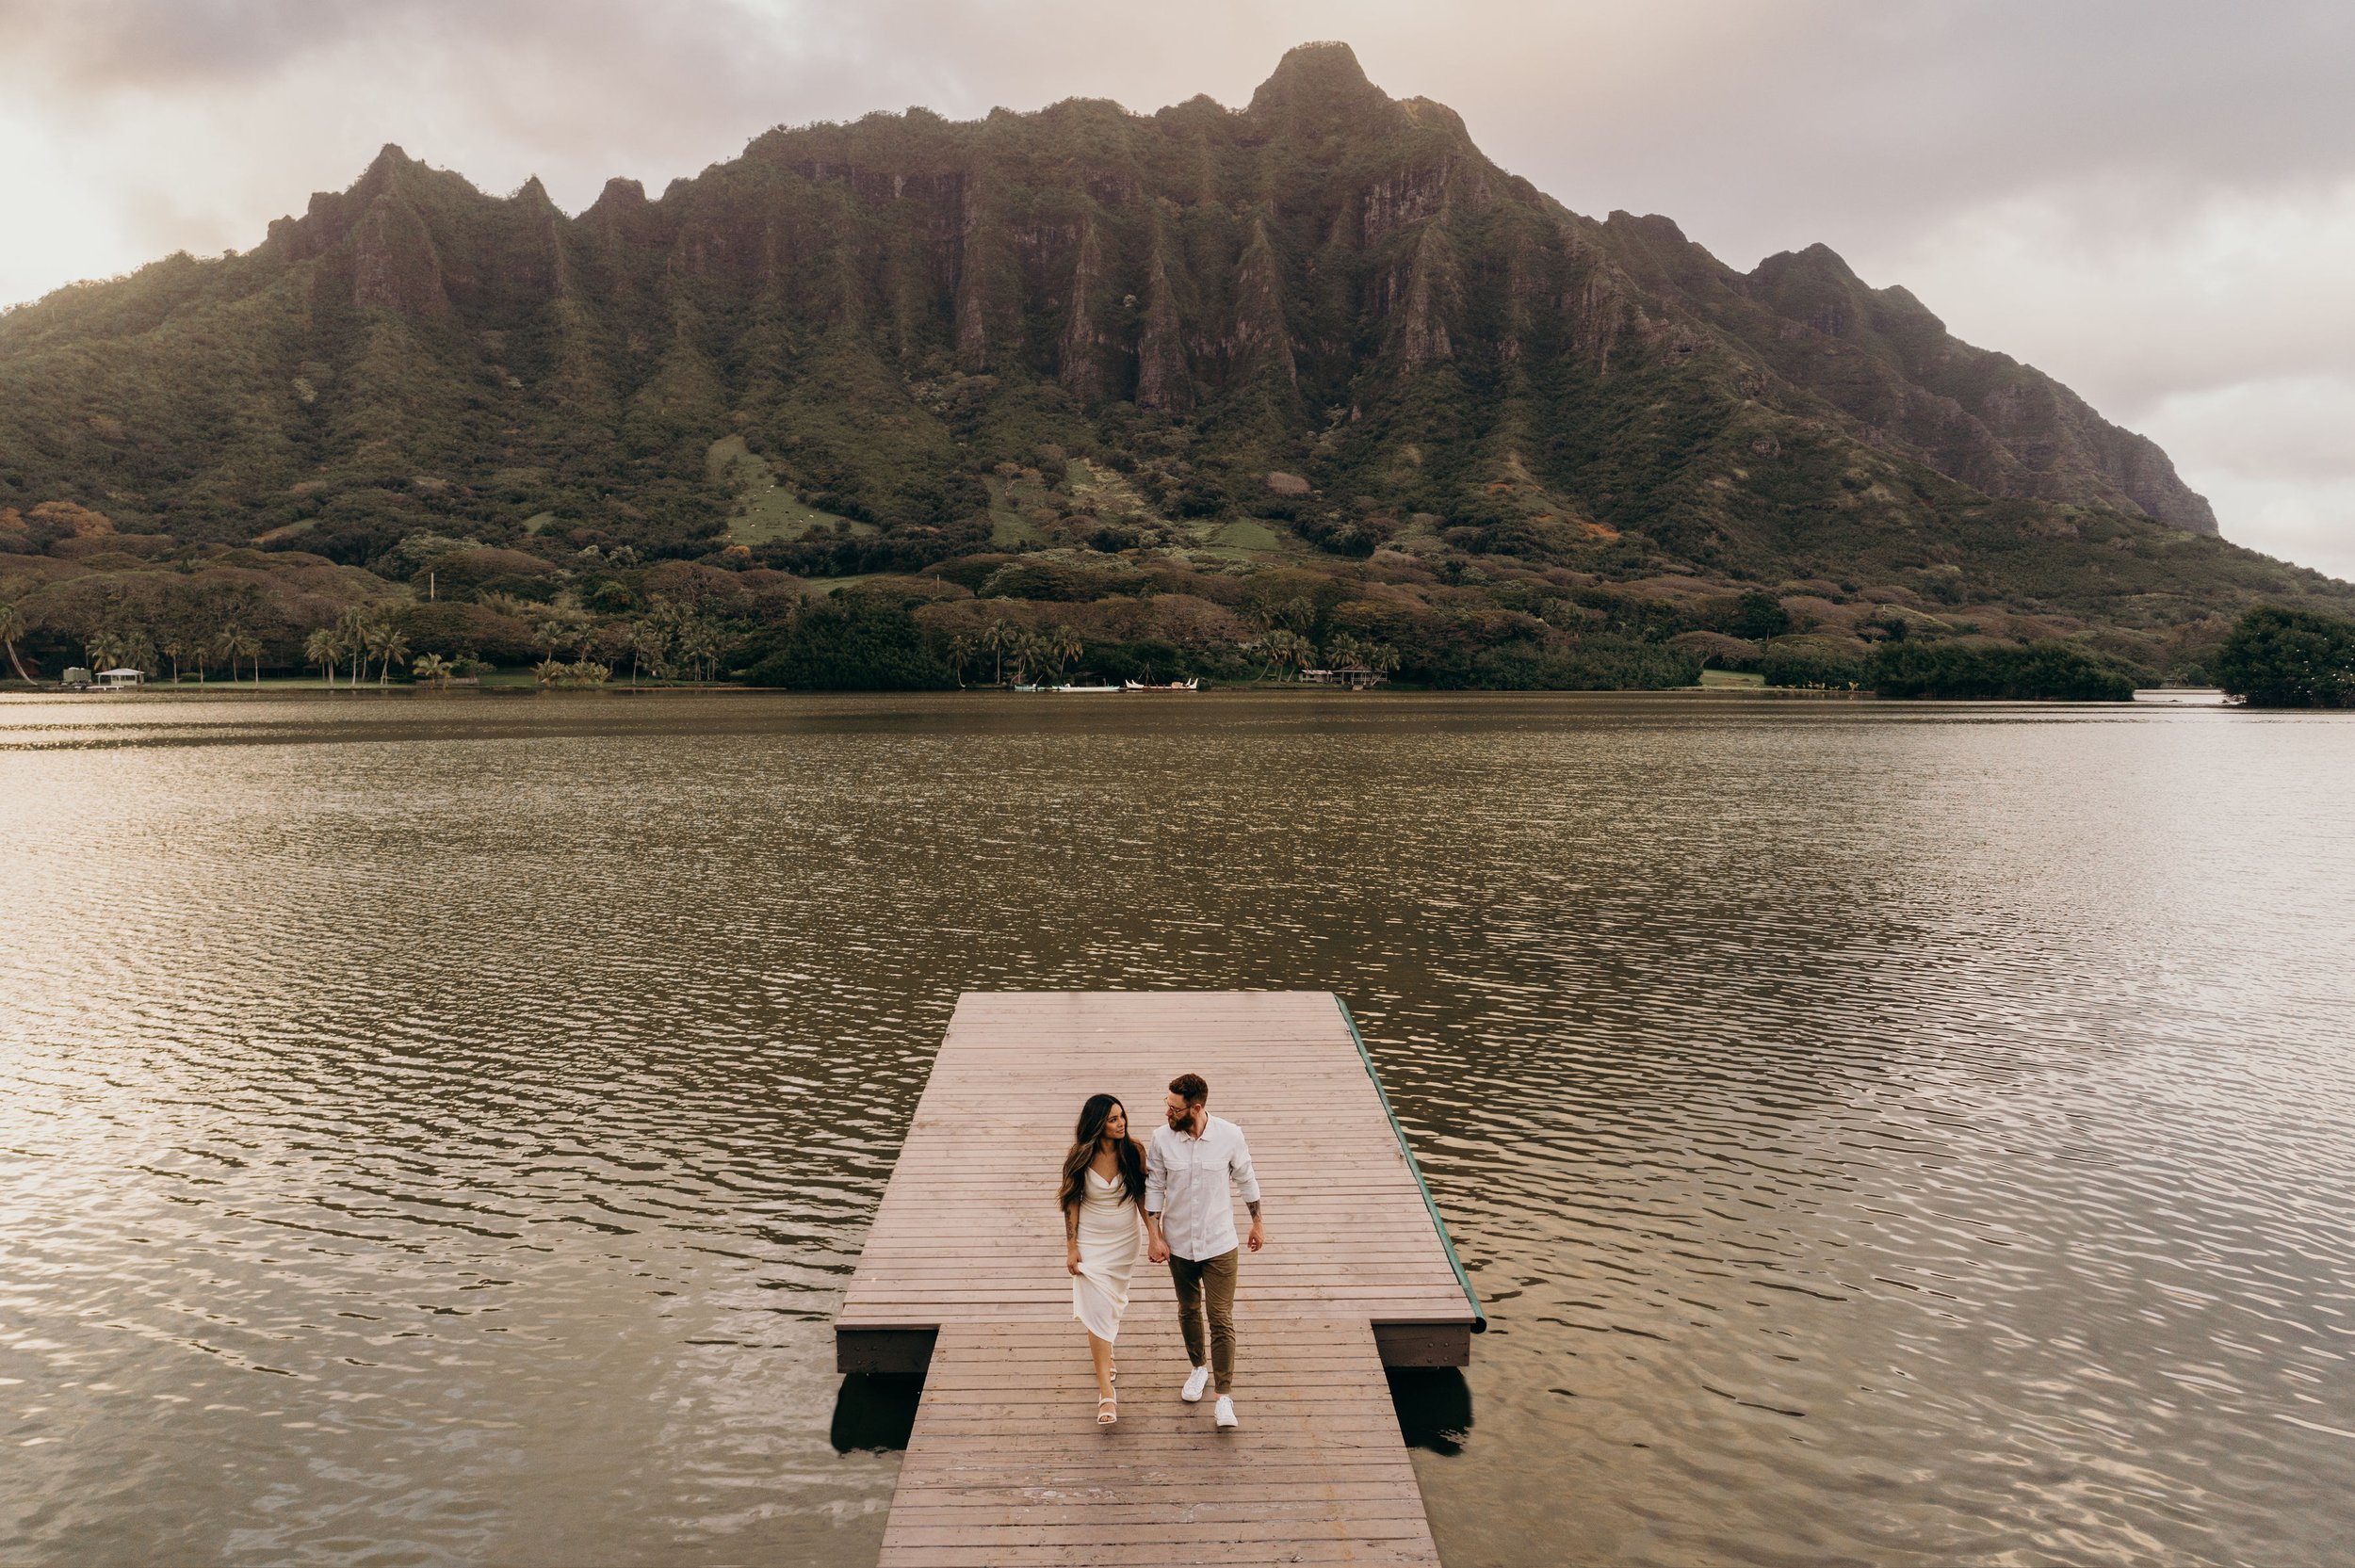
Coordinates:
439 1130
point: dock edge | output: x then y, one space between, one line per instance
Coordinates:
1480 1318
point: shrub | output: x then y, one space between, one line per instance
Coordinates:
1590 664
458 630
2055 671
1030 577
2285 658
1810 667
837 644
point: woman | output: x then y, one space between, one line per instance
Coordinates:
1103 1208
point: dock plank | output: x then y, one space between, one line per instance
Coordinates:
1006 1465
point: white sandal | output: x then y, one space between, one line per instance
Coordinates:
1106 1417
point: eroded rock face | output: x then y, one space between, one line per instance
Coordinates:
393 263
1329 285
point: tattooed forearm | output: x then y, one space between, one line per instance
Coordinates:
1253 1206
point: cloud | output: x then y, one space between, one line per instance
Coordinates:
2149 199
2277 455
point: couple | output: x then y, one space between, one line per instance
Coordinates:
1179 1192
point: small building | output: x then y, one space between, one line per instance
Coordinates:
75 679
1356 677
121 679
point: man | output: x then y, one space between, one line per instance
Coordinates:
1189 1224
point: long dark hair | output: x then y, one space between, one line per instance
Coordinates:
1085 1139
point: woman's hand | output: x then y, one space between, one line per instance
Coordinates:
1071 1261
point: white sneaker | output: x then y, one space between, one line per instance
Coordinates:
1192 1392
1223 1412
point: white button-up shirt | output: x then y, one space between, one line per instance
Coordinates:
1186 1183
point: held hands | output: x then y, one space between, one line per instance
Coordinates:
1156 1250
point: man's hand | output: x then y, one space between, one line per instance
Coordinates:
1258 1237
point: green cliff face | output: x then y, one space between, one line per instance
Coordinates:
1316 328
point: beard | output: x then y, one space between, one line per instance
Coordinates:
1180 1120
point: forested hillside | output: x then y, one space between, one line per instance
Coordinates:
1314 365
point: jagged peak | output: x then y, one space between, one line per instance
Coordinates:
1316 75
620 191
1431 113
1656 226
1814 261
533 192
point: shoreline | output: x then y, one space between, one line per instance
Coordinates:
2144 696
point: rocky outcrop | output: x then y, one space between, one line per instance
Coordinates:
394 265
1881 357
1260 345
1164 382
1082 350
1329 281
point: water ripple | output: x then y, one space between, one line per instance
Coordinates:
441 1132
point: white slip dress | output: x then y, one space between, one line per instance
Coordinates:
1107 1254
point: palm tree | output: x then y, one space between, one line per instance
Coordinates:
1295 614
1030 657
241 644
699 646
1062 645
173 649
13 627
433 670
324 649
389 647
1002 638
550 670
1342 650
352 639
650 645
964 649
1382 658
1284 649
563 625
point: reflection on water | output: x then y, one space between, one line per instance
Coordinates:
439 1131
1434 1407
874 1409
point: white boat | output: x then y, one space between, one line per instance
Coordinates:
1194 685
1083 688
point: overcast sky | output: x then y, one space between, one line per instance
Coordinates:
2152 200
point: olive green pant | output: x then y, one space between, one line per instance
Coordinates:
1210 1284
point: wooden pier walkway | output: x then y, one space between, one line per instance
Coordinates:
963 1280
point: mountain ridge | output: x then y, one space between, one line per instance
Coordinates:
1316 329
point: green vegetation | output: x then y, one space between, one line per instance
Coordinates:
2057 671
1208 389
2284 658
1792 665
857 643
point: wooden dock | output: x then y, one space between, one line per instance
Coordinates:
963 1280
